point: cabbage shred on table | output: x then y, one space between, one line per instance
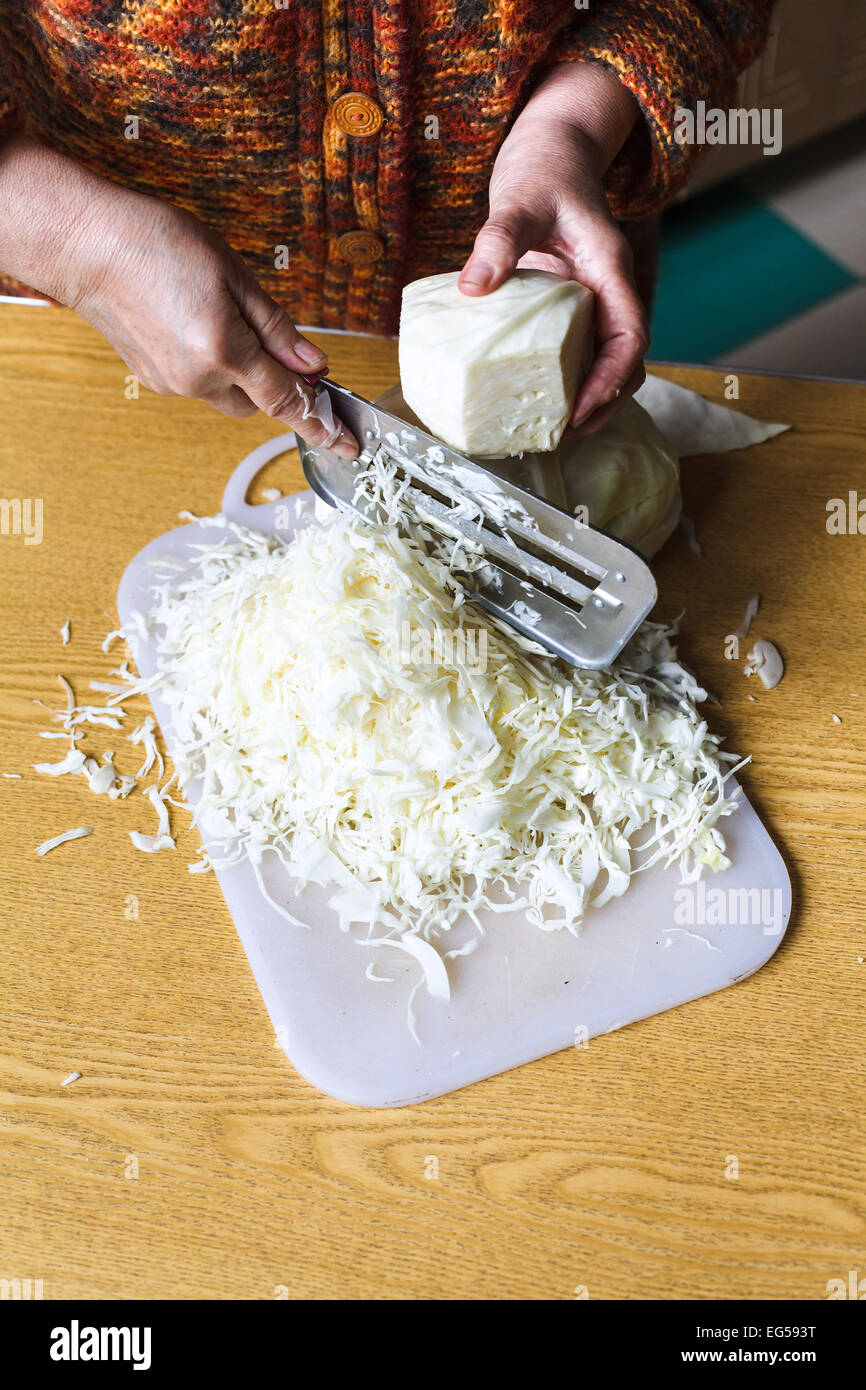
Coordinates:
420 789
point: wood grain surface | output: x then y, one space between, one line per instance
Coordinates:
601 1169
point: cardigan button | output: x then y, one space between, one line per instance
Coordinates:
360 247
356 114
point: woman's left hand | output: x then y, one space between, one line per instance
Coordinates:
548 210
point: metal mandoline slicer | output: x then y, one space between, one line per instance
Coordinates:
574 590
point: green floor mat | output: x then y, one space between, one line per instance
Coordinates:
731 270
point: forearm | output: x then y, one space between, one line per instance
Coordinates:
592 101
48 204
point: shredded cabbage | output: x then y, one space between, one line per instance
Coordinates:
151 844
421 790
77 834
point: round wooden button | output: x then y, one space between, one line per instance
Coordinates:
360 247
356 114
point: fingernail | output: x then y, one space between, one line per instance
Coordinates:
308 352
479 274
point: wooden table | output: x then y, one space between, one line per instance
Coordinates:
604 1167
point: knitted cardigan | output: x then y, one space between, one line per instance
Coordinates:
234 100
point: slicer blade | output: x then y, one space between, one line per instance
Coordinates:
573 589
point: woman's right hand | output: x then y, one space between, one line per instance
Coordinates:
174 300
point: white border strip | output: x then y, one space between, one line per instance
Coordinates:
344 332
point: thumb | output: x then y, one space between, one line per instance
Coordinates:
503 239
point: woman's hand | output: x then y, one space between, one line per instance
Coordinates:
178 305
548 210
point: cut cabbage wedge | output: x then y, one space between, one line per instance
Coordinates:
572 589
497 374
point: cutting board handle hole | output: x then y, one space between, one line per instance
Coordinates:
273 464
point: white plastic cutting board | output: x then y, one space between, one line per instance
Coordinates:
523 993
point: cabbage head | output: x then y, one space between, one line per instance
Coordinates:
627 476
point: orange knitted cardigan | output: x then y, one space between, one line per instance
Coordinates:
238 117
